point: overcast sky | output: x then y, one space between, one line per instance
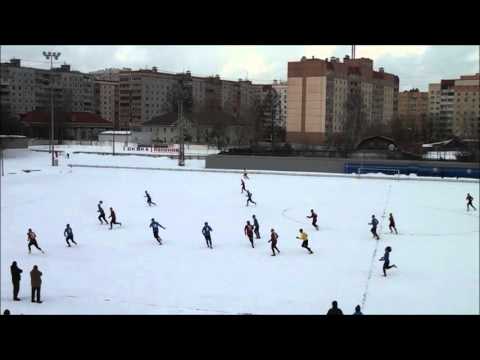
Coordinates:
417 66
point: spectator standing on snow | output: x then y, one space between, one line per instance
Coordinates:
102 213
32 241
249 232
155 225
373 230
391 224
304 238
313 216
36 280
273 240
113 216
357 310
469 202
334 310
256 227
149 199
386 260
206 233
68 233
15 271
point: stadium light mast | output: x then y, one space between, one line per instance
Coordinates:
50 56
353 52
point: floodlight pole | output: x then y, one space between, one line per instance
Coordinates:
49 56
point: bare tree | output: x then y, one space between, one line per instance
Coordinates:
355 122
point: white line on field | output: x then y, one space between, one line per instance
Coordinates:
374 255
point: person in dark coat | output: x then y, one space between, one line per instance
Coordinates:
373 230
256 227
273 240
243 186
114 219
357 310
249 198
102 213
155 225
391 224
32 241
469 202
313 216
36 280
334 310
16 271
68 233
249 232
386 260
206 233
149 199
6 312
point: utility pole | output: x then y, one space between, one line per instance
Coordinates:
50 56
131 116
113 137
181 152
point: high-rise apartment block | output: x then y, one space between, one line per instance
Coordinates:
454 107
29 89
106 100
320 91
413 109
144 94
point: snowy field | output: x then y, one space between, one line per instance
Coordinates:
124 270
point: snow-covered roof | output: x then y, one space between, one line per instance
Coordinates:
445 142
12 136
118 132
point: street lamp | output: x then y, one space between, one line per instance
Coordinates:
50 56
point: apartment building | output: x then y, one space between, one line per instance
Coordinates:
18 87
110 74
106 99
144 94
413 108
467 106
320 91
30 89
454 107
5 97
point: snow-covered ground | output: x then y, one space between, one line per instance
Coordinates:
124 271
